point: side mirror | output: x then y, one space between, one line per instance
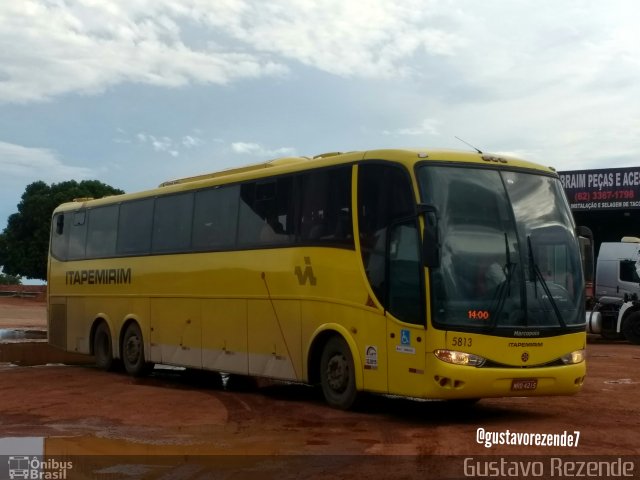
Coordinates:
430 237
583 231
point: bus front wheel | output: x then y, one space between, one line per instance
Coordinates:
133 352
337 374
102 349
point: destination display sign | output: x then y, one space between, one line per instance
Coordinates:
603 189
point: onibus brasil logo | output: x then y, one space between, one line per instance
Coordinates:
34 468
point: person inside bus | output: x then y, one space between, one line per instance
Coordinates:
272 231
494 276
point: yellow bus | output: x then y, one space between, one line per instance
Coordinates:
421 273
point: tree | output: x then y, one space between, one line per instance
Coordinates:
9 279
24 243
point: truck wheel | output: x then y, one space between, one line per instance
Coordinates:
337 374
102 347
133 352
611 335
631 328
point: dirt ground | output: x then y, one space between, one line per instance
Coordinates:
22 312
80 410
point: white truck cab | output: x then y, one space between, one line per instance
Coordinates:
616 314
617 268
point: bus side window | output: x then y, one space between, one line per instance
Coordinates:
325 199
215 218
134 227
266 213
102 233
60 236
77 236
172 223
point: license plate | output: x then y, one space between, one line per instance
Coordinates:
524 384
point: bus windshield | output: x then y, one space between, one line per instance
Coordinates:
509 257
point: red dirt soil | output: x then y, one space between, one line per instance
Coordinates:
84 410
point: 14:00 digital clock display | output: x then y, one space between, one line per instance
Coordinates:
478 314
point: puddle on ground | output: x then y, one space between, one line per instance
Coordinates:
14 334
620 381
29 347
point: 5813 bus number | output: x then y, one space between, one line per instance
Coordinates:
462 341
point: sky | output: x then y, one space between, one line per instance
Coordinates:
136 92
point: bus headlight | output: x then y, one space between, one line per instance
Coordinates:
459 358
573 357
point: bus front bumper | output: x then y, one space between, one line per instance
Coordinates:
448 381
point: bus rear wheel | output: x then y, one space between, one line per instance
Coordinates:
133 352
102 347
337 374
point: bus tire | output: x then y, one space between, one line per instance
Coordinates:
337 374
631 328
133 352
103 347
611 335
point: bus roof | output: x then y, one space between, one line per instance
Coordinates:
407 157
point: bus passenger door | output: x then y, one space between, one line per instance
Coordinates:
405 311
391 255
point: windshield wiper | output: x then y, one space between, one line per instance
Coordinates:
505 288
535 273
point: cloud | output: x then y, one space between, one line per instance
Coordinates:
191 142
254 149
557 80
428 126
166 144
22 165
461 49
479 50
19 163
577 48
176 147
83 46
356 38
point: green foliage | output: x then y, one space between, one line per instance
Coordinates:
9 279
24 243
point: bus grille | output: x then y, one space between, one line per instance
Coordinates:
554 363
